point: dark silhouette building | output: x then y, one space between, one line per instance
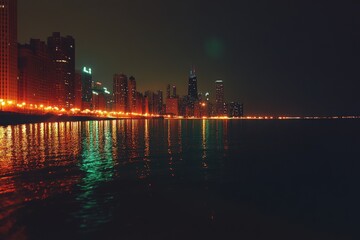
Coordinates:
36 70
8 50
219 97
235 109
78 90
192 86
120 90
168 95
173 92
139 103
131 97
62 51
86 88
100 97
160 102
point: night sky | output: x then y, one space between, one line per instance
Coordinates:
295 58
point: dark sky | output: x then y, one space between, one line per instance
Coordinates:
277 57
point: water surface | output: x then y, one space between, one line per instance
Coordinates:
177 179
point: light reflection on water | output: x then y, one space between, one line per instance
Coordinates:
46 159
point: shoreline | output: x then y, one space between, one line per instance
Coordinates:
15 118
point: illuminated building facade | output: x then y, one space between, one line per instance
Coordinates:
62 51
86 88
172 106
120 90
36 70
131 97
219 97
8 50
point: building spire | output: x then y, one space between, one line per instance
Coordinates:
192 71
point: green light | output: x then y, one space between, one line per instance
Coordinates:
214 48
87 70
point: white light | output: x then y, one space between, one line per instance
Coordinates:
86 70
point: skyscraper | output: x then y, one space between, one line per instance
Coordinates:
86 88
131 98
160 101
139 102
168 91
62 51
36 68
219 97
192 87
8 50
100 96
78 90
120 90
173 91
235 109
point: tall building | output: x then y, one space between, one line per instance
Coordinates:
168 91
160 102
86 88
139 102
131 98
186 106
219 97
174 91
209 105
146 105
36 70
120 90
78 90
235 109
62 51
8 50
192 87
100 97
150 100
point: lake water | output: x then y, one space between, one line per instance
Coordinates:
181 179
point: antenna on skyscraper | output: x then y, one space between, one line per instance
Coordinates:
192 70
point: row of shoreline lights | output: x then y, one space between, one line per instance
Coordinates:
10 104
34 107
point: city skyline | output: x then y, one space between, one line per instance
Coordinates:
41 77
302 62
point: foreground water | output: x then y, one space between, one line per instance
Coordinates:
180 179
